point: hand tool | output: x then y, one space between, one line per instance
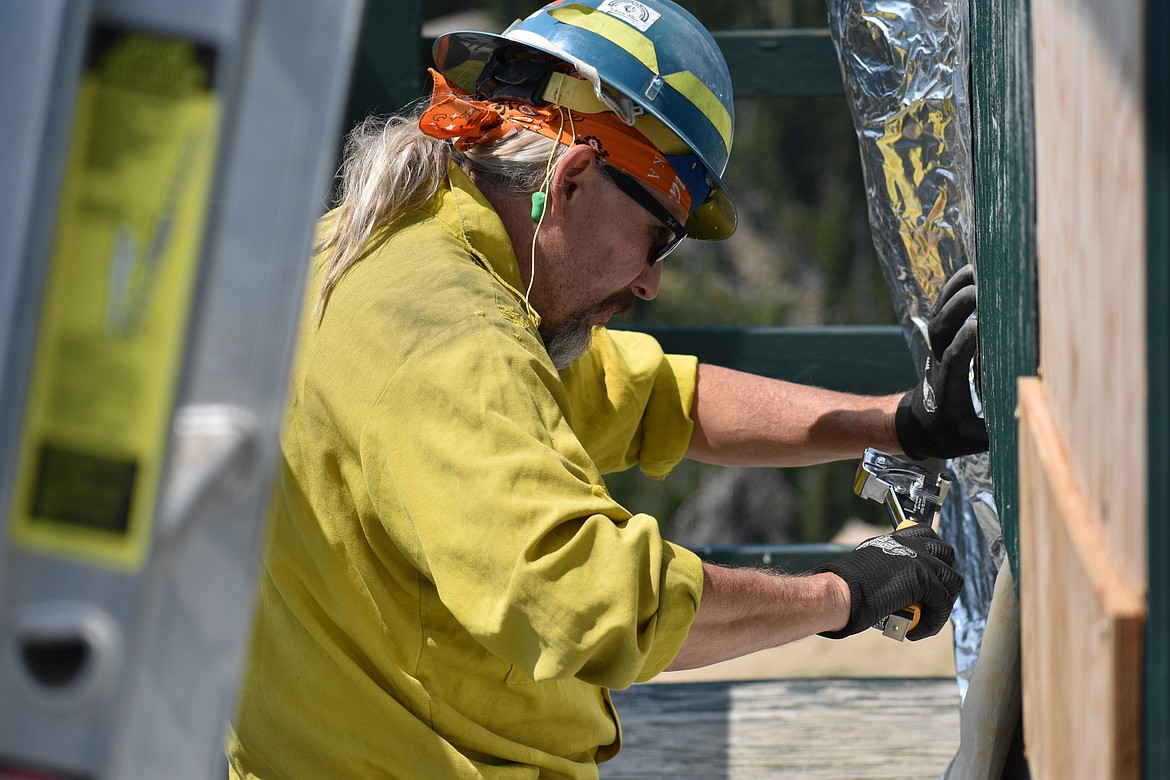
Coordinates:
912 495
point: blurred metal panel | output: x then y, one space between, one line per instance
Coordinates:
128 555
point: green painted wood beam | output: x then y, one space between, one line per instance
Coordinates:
763 63
791 558
781 63
387 72
1004 233
1157 649
870 359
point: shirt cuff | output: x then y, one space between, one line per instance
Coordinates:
682 589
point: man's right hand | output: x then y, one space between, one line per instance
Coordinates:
892 572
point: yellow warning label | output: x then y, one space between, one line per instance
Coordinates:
118 297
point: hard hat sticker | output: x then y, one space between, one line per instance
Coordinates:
631 11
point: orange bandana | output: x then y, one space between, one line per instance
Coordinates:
468 122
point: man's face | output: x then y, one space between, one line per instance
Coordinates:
594 264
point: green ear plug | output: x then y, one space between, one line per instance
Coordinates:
538 199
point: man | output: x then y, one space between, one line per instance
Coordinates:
449 590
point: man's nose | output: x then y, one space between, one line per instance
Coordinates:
646 285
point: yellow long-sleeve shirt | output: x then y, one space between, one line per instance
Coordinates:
449 590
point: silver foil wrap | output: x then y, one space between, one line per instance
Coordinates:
904 66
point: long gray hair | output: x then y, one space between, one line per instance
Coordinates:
392 168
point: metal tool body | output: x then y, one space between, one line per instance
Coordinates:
911 494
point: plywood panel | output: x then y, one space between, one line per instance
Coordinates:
1091 254
1081 621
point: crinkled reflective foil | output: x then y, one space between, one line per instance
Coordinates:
905 68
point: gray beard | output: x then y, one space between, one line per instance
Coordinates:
569 341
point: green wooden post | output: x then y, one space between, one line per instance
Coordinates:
388 71
788 558
1157 650
780 63
1004 232
870 359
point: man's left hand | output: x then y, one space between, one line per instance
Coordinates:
937 418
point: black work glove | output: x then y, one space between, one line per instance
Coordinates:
892 572
937 419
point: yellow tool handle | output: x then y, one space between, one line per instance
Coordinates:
914 611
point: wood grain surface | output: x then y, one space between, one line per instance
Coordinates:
1080 620
1091 255
812 729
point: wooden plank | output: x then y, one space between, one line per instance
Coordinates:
1080 620
1157 635
769 63
1157 666
1091 240
790 558
1001 92
851 358
763 63
811 729
780 63
868 655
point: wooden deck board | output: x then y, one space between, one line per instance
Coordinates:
811 729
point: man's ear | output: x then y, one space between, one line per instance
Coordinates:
576 164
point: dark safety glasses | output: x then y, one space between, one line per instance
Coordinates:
630 186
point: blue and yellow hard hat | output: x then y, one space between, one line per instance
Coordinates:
648 61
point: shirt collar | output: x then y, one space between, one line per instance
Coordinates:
468 210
